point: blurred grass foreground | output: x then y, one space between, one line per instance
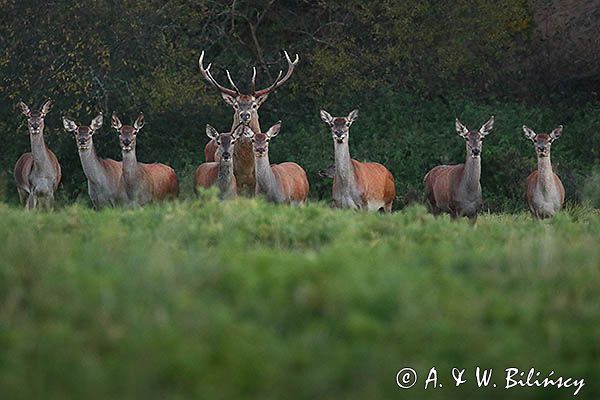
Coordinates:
246 300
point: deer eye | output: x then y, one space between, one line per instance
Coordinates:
268 140
254 105
236 106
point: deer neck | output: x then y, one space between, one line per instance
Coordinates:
39 150
265 178
92 167
471 174
225 176
545 175
344 171
131 168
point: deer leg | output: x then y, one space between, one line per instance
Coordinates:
23 195
31 202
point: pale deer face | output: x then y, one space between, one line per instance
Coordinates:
127 133
340 126
542 141
474 139
245 106
225 143
83 134
260 141
35 119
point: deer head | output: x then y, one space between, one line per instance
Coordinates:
542 141
474 139
246 105
127 133
340 126
83 134
225 143
35 119
260 141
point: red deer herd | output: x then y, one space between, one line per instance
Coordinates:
237 163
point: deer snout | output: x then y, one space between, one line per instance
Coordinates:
260 151
476 152
226 156
245 116
126 142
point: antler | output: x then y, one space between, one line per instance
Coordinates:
278 81
208 76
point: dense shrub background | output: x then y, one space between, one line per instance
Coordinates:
410 66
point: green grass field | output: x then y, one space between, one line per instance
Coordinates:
245 300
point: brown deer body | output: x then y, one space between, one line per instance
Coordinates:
219 173
356 185
37 174
279 183
144 183
106 187
545 191
245 108
456 189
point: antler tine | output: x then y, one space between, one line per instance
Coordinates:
231 82
253 88
278 82
208 76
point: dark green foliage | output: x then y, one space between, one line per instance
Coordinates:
410 66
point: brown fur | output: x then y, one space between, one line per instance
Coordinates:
112 167
209 151
438 187
163 180
293 181
207 174
376 183
23 168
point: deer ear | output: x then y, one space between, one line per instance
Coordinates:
211 132
24 108
352 116
555 134
460 128
487 127
529 133
46 107
228 99
326 117
274 130
115 122
139 122
69 125
249 133
97 122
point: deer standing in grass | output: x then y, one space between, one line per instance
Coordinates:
455 189
144 183
104 176
245 107
37 173
358 185
545 191
219 173
280 183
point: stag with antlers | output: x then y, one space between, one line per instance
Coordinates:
245 108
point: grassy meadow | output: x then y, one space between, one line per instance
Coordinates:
246 300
